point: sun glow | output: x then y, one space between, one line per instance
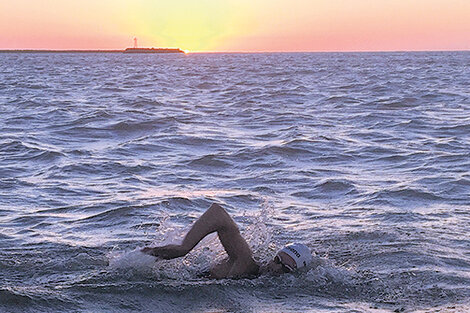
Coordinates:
193 25
237 25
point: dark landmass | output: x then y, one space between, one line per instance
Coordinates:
153 50
128 50
61 51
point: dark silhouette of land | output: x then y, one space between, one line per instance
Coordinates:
128 50
153 50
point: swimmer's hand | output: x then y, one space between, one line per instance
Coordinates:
166 252
147 250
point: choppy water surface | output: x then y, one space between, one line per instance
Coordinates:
364 157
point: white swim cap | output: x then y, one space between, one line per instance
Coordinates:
299 252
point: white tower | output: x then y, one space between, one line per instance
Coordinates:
135 42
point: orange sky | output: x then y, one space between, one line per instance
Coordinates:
237 25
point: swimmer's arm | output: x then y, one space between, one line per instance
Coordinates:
166 252
215 219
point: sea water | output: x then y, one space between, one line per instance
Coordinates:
364 157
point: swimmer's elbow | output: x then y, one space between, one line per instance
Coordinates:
217 208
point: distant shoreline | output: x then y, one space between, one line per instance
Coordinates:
126 51
61 51
228 52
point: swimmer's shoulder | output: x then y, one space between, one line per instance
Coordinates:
244 269
235 269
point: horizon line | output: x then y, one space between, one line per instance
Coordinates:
221 52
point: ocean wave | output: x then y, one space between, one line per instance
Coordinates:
40 298
78 169
113 89
209 161
272 154
336 185
9 296
143 102
206 85
412 195
462 128
341 100
137 126
22 151
202 142
397 103
119 215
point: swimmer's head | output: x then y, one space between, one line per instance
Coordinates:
291 257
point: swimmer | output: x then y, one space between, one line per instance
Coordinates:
239 262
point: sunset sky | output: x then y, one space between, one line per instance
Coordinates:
237 25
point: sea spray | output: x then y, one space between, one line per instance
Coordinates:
131 260
258 232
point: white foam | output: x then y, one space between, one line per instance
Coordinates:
323 271
134 259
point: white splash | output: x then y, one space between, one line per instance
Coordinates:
131 260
